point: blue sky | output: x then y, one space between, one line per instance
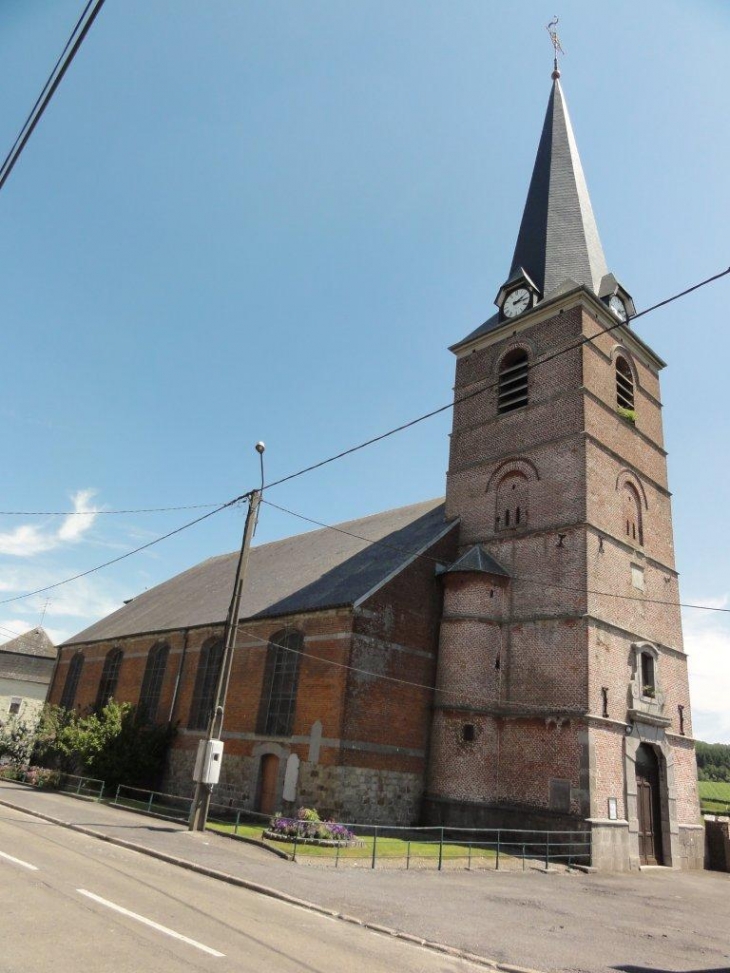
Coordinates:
253 220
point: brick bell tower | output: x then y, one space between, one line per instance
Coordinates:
562 697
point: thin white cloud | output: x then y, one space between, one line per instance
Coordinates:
707 640
76 524
27 540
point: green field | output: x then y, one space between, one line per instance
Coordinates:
714 796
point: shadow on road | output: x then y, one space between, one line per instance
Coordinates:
656 969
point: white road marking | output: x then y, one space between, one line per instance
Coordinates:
17 861
150 922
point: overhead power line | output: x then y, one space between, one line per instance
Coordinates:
391 432
87 513
122 557
518 578
487 388
74 42
369 442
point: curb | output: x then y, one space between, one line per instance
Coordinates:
276 894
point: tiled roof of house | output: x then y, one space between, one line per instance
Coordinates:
320 569
34 642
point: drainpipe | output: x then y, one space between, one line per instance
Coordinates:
176 690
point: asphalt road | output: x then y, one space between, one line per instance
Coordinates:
69 902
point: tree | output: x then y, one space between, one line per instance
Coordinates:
115 745
713 761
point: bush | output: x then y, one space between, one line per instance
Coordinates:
114 745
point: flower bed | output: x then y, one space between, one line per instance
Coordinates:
307 828
36 776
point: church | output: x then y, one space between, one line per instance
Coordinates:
509 656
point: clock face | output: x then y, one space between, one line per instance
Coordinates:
618 307
516 302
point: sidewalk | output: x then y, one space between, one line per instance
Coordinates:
550 921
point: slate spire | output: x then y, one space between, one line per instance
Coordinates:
558 238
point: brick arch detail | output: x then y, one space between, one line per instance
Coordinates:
621 351
628 476
522 345
514 465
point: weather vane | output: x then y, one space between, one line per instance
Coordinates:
556 45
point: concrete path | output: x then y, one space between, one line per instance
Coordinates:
658 920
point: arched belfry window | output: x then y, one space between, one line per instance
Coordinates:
206 682
632 522
513 381
71 685
109 677
513 495
279 692
624 385
154 673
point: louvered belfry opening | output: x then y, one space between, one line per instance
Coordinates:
624 385
513 381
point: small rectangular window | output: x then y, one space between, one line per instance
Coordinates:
637 577
648 678
467 732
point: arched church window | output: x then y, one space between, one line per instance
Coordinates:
632 522
154 673
278 698
513 381
512 501
624 385
109 677
71 685
206 682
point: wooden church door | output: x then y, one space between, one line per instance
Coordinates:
647 795
268 779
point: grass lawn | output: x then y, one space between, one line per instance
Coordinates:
387 848
714 796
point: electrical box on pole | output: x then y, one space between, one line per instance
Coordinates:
208 761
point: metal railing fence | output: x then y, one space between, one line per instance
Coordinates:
56 780
176 807
381 846
81 786
437 847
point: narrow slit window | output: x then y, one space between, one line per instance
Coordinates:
648 687
468 732
513 382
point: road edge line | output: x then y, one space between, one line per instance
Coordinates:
272 893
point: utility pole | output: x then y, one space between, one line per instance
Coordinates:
203 790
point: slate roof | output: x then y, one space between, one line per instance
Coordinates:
320 569
477 560
558 245
34 642
558 238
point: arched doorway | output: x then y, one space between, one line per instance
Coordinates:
268 780
648 806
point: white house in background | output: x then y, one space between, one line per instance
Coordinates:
26 669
